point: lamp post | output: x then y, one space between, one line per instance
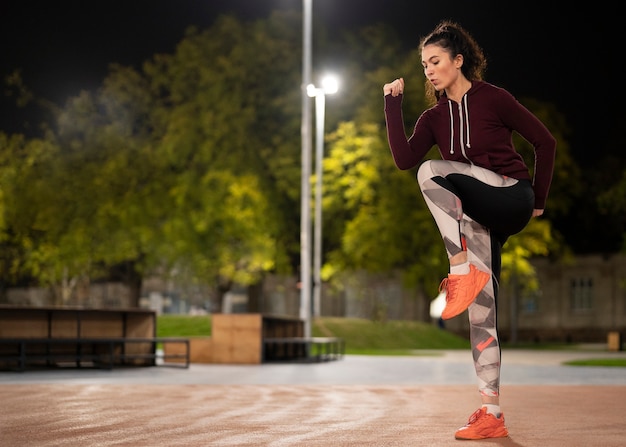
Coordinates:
329 86
305 194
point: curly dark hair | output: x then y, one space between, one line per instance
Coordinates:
454 39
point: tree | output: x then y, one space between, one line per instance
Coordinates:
240 140
166 168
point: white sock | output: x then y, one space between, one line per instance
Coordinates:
493 409
461 269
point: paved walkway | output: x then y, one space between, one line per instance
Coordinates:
357 401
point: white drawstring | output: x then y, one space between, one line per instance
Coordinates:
467 121
461 123
451 127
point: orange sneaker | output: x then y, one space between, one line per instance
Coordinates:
462 290
483 425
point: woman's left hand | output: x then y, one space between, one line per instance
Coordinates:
537 213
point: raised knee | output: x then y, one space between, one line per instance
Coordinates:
425 172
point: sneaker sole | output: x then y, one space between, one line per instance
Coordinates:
500 433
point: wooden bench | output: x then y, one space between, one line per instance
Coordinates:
302 348
24 353
78 337
258 338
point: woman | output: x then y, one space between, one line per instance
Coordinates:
479 194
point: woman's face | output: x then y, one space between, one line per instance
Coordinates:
439 67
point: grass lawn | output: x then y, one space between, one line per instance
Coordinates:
365 337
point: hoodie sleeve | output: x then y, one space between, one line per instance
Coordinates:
407 153
524 122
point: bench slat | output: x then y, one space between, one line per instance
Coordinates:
304 348
104 352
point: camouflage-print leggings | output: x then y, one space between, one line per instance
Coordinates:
477 210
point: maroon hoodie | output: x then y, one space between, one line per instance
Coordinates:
478 130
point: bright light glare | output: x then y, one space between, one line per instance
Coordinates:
311 90
330 85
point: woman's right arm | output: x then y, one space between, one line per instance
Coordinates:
404 155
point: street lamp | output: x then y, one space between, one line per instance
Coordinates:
305 193
330 85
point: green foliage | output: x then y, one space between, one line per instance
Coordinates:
228 233
534 241
166 168
225 148
386 219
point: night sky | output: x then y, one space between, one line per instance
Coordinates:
568 57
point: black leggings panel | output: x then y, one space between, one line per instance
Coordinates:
504 210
